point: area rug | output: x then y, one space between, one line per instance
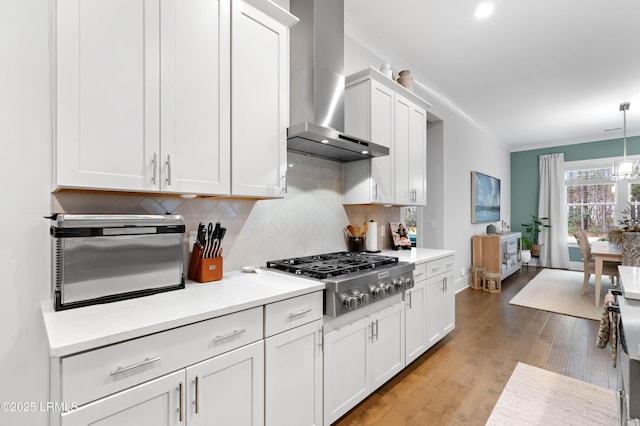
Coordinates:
558 290
534 396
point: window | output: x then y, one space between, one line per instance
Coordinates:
590 200
595 199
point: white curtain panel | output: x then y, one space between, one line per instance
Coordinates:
552 203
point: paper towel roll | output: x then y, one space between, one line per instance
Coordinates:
371 242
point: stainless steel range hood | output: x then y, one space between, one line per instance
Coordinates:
317 85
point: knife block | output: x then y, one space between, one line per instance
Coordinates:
204 269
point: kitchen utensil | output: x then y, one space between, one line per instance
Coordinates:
351 230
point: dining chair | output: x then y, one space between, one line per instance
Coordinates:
608 268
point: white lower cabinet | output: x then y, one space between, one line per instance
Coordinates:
359 357
224 390
195 374
430 306
227 389
416 317
293 377
154 403
440 300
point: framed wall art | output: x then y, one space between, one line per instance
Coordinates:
485 198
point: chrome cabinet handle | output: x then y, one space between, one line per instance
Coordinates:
154 167
146 361
410 294
285 183
436 268
228 335
375 191
180 402
321 340
376 330
197 394
168 164
302 312
418 275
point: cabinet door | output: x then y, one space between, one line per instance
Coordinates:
382 133
415 322
293 376
154 403
447 305
228 389
107 93
417 156
434 291
346 367
260 102
387 347
194 155
403 193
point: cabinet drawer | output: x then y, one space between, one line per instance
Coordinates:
290 313
94 374
419 274
439 266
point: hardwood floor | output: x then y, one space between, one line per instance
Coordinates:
459 380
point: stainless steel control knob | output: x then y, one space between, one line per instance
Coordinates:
376 291
399 284
389 289
349 302
364 299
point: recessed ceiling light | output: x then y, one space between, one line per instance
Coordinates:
484 10
365 152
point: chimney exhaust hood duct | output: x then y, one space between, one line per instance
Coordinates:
317 85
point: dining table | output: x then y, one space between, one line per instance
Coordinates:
603 251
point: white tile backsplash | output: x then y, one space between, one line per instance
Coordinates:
308 220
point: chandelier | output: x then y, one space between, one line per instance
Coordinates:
625 169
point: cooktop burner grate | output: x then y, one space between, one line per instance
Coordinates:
331 265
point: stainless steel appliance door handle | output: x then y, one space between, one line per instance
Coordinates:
146 361
297 314
410 294
168 164
229 335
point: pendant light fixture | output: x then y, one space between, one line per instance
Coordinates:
625 169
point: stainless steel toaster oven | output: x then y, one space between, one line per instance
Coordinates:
104 258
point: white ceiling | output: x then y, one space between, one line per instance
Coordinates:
535 73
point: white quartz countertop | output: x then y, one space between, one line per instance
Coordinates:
630 279
81 329
418 255
90 327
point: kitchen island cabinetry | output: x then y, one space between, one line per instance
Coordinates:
142 95
360 356
380 110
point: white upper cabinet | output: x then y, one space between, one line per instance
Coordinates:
260 97
378 109
107 69
143 96
195 94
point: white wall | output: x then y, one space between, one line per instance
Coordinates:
466 147
24 183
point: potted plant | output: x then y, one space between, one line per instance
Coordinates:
534 229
